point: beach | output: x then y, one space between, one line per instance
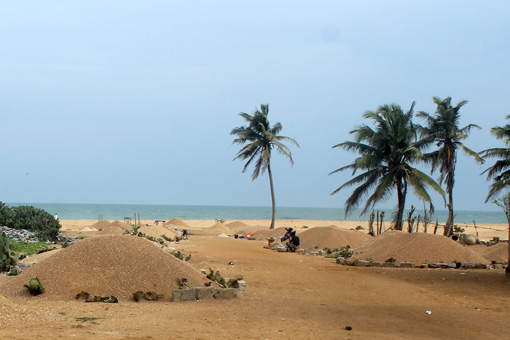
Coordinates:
288 296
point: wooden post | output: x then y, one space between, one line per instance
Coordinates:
139 223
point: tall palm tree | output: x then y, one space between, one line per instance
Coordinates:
386 156
499 173
443 130
259 139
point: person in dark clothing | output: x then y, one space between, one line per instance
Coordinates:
294 242
184 233
287 235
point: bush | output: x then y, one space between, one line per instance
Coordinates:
33 219
8 257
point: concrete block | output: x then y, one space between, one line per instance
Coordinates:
389 264
349 262
340 260
241 284
442 265
498 266
300 251
375 264
180 295
204 293
473 265
227 293
321 252
314 252
406 265
362 263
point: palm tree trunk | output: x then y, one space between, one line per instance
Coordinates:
273 201
448 231
401 195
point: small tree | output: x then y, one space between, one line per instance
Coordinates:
504 203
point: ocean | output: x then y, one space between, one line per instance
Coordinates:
68 211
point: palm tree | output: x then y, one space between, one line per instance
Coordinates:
499 173
386 156
443 130
259 139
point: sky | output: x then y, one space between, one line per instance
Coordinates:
134 101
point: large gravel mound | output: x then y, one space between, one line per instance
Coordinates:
105 265
332 237
419 248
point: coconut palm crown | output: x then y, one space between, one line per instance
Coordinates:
499 173
259 139
386 156
442 129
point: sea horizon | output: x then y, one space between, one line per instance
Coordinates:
98 211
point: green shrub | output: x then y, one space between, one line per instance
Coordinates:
8 256
30 218
35 286
30 248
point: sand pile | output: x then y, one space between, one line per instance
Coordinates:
497 252
332 237
12 313
276 233
237 225
419 248
218 229
158 231
177 222
100 225
105 265
121 225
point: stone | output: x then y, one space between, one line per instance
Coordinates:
442 265
204 293
340 260
350 262
180 295
240 284
406 265
362 263
389 265
227 293
473 265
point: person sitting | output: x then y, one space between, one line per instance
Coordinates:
294 242
287 235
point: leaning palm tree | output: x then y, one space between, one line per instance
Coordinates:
499 173
443 130
386 156
259 139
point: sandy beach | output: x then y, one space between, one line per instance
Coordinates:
288 296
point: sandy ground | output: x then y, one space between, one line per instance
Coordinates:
288 296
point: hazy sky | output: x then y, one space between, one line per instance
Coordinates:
134 101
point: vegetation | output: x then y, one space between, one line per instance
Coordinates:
258 140
221 281
8 256
442 129
36 220
30 248
35 286
499 173
386 158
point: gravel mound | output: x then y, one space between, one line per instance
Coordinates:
419 248
105 265
219 228
497 252
121 225
332 237
100 225
177 222
237 225
265 233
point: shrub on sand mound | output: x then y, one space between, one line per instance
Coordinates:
419 248
106 265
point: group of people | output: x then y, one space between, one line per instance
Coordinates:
294 242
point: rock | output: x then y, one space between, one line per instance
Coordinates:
472 265
406 265
442 265
340 260
180 295
470 240
362 263
204 293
